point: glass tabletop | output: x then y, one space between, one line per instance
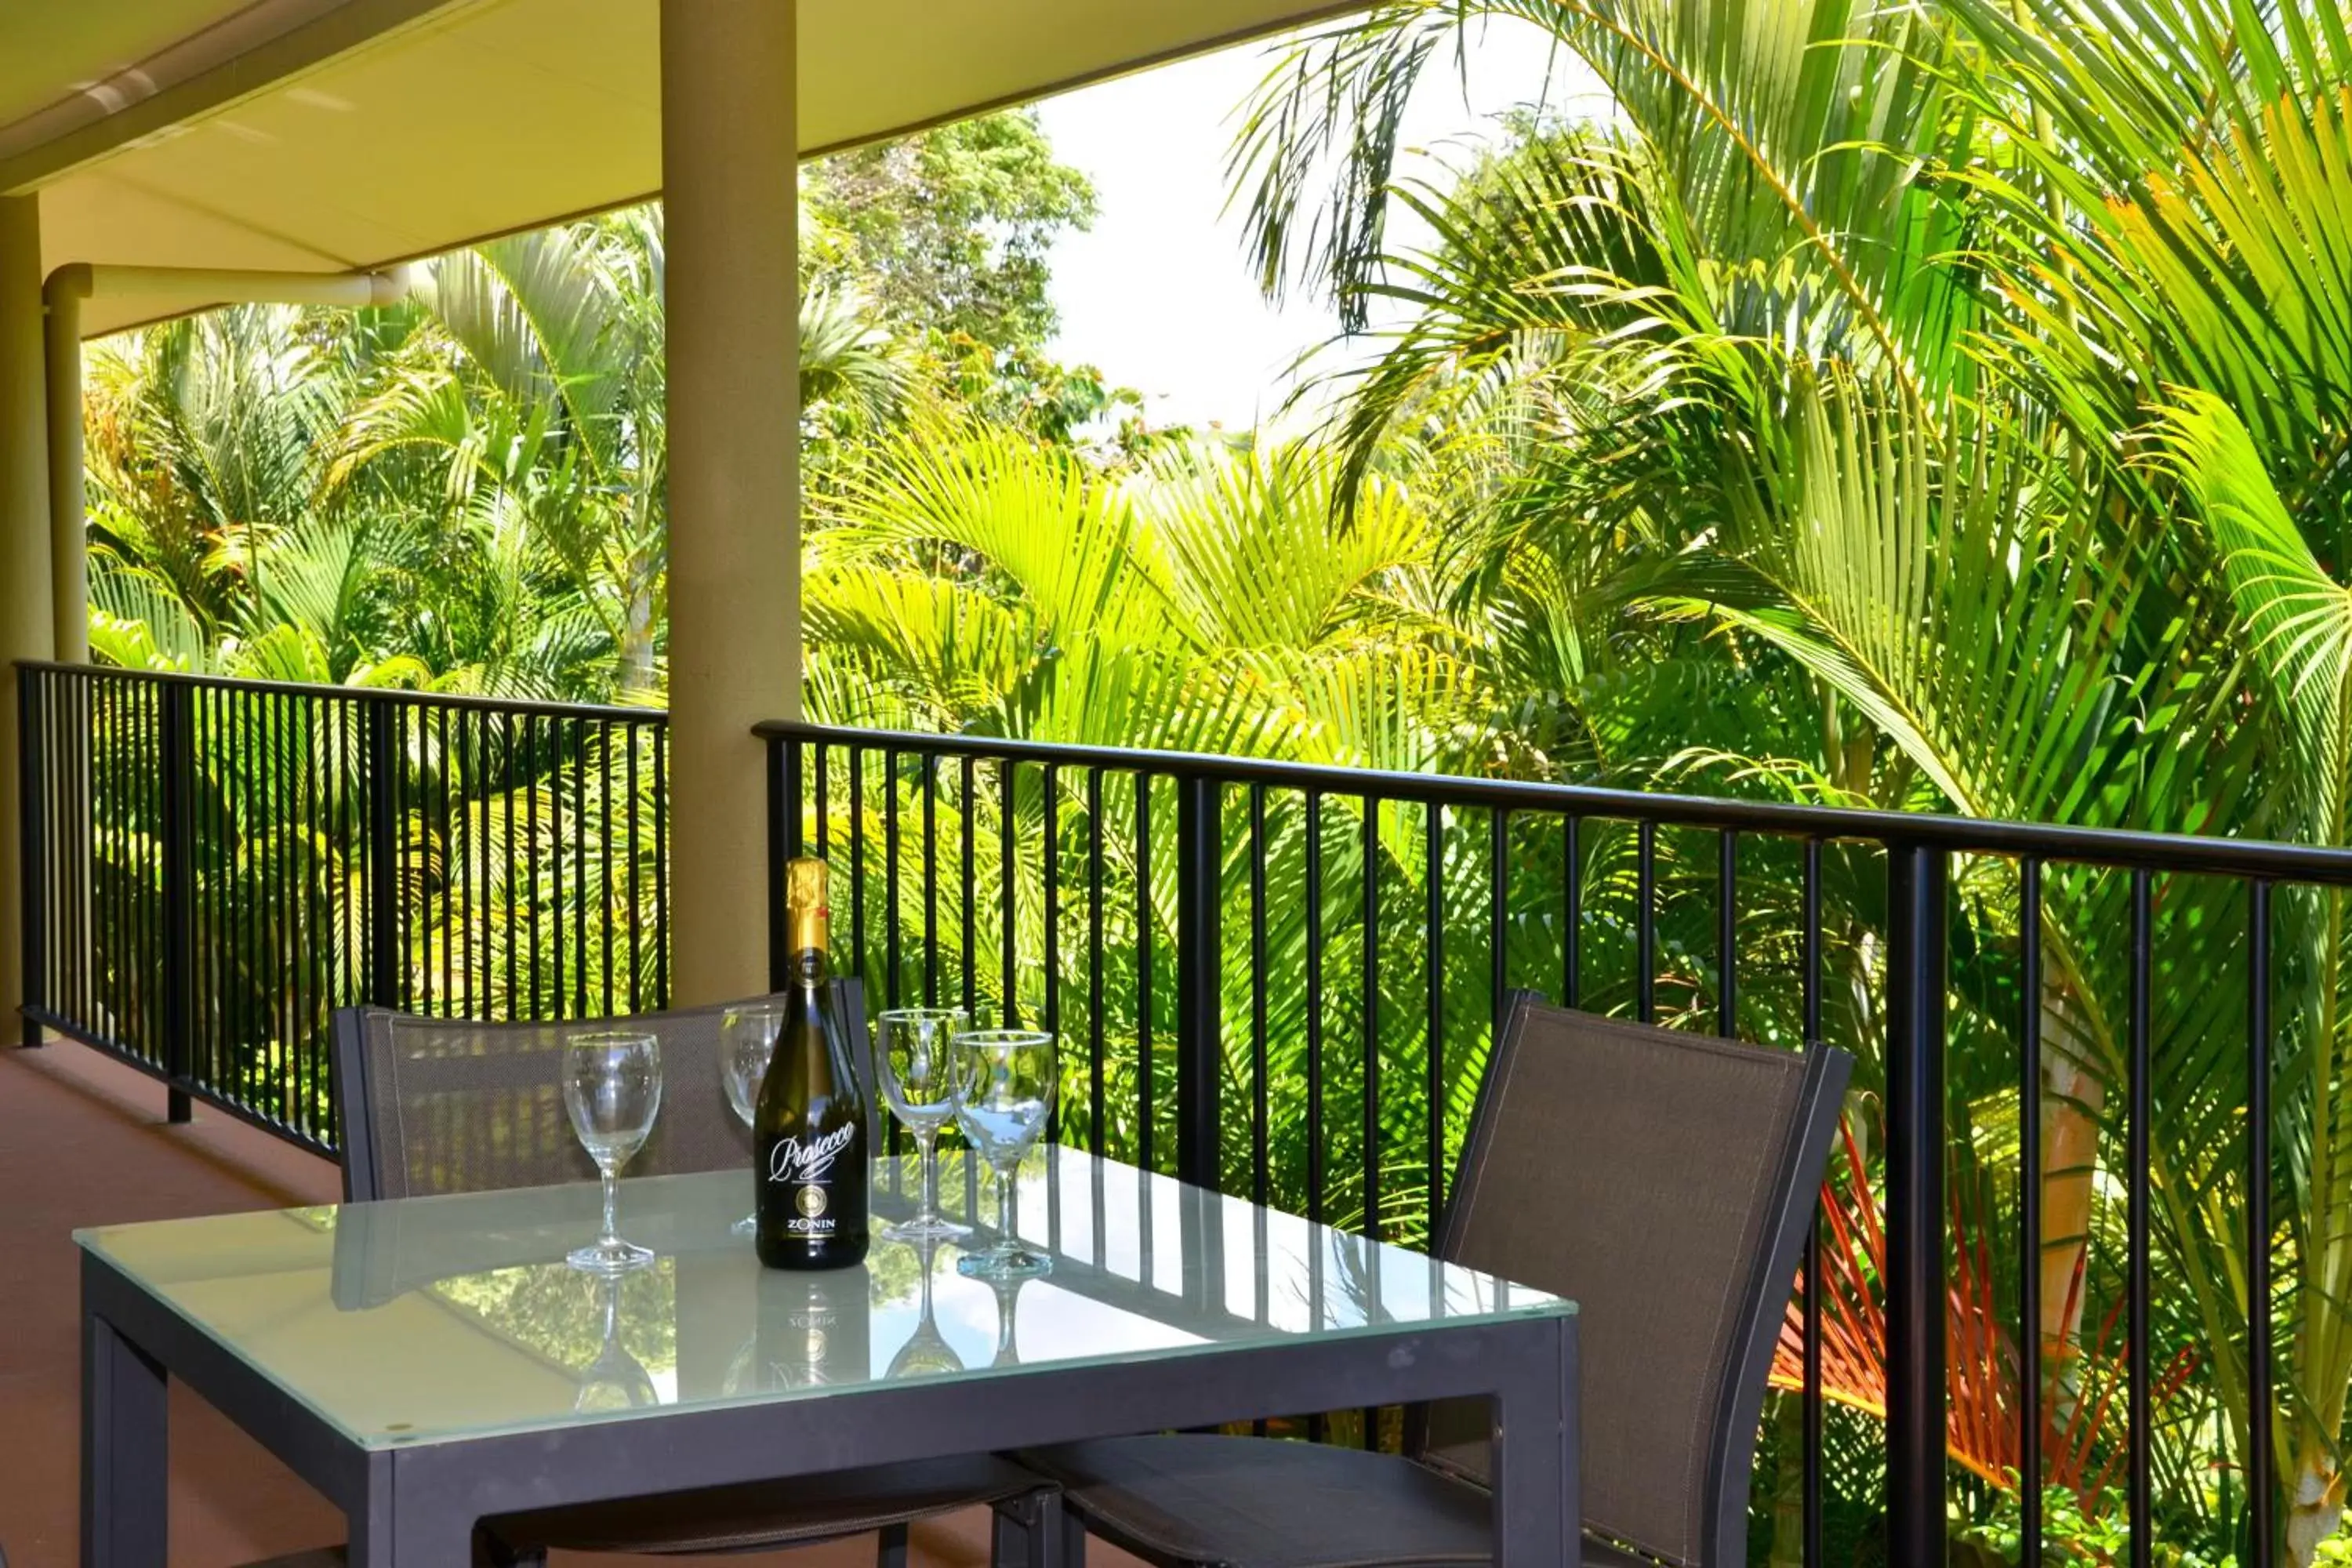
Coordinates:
420 1320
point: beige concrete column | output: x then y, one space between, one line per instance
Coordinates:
730 167
26 630
68 525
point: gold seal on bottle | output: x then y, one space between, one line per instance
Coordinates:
806 915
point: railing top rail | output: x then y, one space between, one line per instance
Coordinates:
605 714
2108 847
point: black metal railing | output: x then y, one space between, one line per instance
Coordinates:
212 866
1283 979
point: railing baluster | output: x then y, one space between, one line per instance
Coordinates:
1008 880
2029 1210
968 932
1498 916
857 861
1572 877
1094 893
893 959
1315 1006
178 827
661 867
447 883
1147 1110
931 881
1917 885
1811 1479
1259 1089
2262 1464
783 812
382 899
1727 935
1645 922
1200 980
1049 873
582 925
1432 861
2138 1491
823 770
34 905
1371 983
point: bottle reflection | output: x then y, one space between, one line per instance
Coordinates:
615 1380
812 1331
927 1352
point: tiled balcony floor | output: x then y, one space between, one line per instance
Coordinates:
83 1142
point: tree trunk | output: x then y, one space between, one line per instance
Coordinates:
2072 1097
637 671
2316 1507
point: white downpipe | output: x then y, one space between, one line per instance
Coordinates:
171 290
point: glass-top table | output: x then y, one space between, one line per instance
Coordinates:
429 1361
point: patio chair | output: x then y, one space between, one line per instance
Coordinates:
1665 1181
433 1106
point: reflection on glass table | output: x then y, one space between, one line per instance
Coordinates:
927 1349
436 1318
615 1380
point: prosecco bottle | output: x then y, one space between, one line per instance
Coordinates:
808 1131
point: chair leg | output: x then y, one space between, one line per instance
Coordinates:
890 1546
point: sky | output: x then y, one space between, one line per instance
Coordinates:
1158 294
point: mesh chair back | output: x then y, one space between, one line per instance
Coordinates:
446 1105
1663 1182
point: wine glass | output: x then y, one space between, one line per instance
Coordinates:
747 1038
1005 1083
612 1087
913 1049
615 1380
927 1351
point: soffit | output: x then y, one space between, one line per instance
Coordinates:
456 122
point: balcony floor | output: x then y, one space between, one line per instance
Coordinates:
83 1142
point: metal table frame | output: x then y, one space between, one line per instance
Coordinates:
416 1506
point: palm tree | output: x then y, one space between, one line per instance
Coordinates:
1850 316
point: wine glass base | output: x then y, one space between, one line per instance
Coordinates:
926 1227
1004 1263
609 1257
747 1225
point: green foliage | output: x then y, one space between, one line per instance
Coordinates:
947 232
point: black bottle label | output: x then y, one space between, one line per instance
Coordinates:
806 1168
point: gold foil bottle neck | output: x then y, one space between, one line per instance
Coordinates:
805 914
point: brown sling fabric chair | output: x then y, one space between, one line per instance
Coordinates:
431 1105
1663 1182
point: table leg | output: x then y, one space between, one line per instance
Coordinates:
125 1448
1538 1512
413 1516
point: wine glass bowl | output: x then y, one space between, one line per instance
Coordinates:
613 1090
1006 1081
914 1050
747 1041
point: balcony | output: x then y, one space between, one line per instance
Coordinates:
1280 980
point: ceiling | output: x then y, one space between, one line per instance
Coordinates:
330 134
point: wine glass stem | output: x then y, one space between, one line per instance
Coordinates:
612 1206
1005 1174
929 1210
